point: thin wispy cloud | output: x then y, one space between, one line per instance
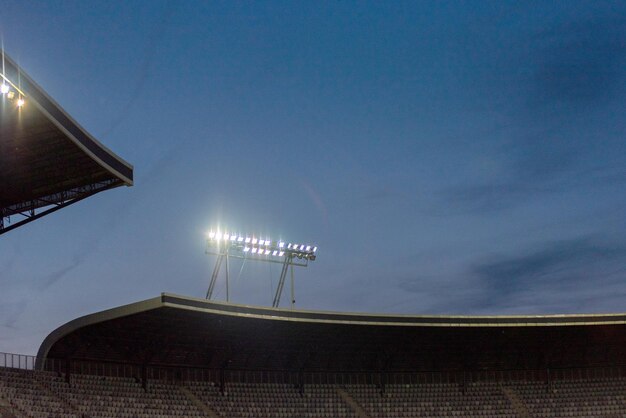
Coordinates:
567 78
554 269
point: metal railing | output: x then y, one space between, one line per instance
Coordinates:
177 373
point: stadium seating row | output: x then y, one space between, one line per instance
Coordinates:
37 394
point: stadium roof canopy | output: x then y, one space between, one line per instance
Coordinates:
171 330
47 160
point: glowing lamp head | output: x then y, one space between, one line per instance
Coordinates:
4 88
20 102
211 235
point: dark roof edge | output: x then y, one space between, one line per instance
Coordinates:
184 302
337 318
62 120
94 318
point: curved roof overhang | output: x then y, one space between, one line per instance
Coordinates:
47 160
180 331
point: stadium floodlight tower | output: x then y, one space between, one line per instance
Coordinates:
227 245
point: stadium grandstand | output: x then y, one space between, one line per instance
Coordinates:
174 356
47 160
179 356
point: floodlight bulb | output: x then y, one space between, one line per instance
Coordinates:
247 240
314 249
233 237
11 95
211 235
4 88
20 102
281 244
302 247
246 249
282 253
267 252
240 239
275 252
218 236
254 240
289 246
254 250
226 237
308 248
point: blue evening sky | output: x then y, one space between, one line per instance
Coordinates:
463 157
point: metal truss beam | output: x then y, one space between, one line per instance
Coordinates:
29 210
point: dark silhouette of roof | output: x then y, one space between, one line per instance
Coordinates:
47 160
180 331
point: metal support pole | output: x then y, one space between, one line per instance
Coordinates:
293 296
68 371
216 272
281 281
227 279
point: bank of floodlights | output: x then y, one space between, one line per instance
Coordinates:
10 90
252 247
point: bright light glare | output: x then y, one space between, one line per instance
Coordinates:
254 240
254 250
218 236
226 237
211 235
246 249
247 240
240 239
267 252
308 248
314 249
282 253
20 102
275 252
4 89
281 244
233 237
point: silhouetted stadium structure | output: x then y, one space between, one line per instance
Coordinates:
47 160
180 356
175 356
